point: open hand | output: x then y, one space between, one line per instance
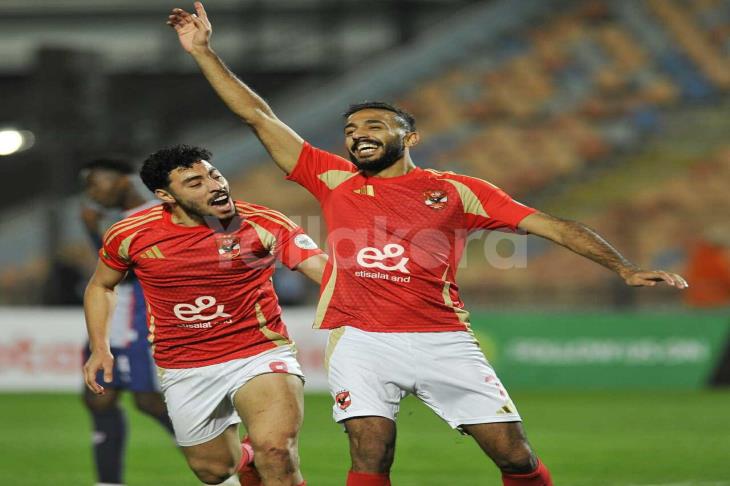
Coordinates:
193 30
98 361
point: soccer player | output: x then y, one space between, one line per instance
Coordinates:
109 187
389 296
223 354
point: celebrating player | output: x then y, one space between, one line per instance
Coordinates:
389 296
109 188
223 353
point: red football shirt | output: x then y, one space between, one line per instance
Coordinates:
209 293
395 243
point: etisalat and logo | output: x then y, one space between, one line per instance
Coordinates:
199 315
371 257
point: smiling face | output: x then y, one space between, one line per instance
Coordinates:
200 190
375 139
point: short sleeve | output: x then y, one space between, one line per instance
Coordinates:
113 256
488 207
280 236
295 246
319 171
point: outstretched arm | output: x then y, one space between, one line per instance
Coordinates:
194 31
584 241
99 300
313 267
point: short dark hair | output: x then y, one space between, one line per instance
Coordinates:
406 119
113 163
156 169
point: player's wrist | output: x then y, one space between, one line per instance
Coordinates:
202 50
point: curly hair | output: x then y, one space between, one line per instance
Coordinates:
406 120
155 172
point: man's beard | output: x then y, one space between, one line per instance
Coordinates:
193 210
393 152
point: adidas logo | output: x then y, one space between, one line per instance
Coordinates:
366 190
153 252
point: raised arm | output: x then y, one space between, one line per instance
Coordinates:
99 300
194 31
584 241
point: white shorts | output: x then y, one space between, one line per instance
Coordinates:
371 372
200 400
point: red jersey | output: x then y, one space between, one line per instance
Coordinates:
395 243
209 293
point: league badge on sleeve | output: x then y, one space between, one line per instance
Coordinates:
435 199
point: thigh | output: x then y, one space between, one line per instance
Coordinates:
271 405
368 373
458 384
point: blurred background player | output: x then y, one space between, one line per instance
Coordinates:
389 296
110 190
205 263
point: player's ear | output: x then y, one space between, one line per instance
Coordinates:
411 139
164 196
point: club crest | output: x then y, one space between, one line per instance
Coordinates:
435 199
229 246
343 400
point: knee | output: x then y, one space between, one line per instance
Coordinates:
100 403
372 454
212 472
517 460
276 451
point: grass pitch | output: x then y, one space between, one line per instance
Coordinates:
586 438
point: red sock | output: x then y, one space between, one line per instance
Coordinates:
367 479
247 474
538 477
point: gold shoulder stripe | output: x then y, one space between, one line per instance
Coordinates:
129 221
272 212
470 201
132 219
326 296
123 251
267 238
275 217
147 219
333 178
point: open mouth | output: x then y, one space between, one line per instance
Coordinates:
222 201
365 148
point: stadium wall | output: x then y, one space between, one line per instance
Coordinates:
40 349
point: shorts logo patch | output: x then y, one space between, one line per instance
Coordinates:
278 367
435 199
343 400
